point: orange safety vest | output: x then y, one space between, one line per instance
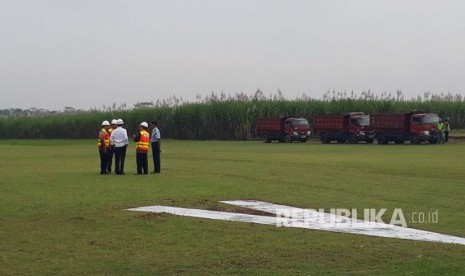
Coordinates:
144 142
106 139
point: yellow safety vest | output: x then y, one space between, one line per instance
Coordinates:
144 142
446 126
106 139
440 127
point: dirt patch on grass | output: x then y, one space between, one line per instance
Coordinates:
211 205
151 216
456 139
236 209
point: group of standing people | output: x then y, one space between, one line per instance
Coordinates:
113 141
443 130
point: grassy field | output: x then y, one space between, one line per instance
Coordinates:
59 216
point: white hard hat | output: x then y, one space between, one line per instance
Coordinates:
114 122
105 123
120 122
144 124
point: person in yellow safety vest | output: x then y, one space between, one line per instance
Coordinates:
111 151
103 144
142 140
446 130
440 128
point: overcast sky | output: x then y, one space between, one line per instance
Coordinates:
87 53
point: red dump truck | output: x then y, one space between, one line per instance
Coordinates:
352 127
283 129
415 126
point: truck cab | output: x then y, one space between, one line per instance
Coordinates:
423 127
414 126
284 129
359 128
298 129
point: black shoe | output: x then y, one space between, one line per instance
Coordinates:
103 173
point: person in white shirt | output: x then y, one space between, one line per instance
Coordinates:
155 141
119 138
111 152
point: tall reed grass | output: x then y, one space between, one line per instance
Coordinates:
221 120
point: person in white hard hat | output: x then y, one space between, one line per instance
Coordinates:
103 144
111 151
119 138
142 139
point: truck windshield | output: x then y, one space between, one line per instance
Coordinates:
430 119
300 123
364 121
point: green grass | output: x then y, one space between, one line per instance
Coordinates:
59 216
457 132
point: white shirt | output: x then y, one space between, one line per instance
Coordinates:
155 135
119 137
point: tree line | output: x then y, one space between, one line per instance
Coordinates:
220 119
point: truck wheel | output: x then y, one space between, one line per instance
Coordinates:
381 140
287 139
324 139
266 139
399 141
415 140
370 141
353 140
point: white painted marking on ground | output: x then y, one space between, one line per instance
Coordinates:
359 227
343 225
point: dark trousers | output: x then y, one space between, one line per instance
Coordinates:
142 163
103 161
111 151
156 157
120 156
446 136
